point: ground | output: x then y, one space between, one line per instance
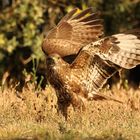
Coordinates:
33 115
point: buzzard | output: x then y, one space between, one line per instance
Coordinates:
94 64
97 59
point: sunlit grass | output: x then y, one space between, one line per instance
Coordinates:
34 115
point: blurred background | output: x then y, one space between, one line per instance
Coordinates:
23 24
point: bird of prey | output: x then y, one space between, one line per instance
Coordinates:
94 64
96 59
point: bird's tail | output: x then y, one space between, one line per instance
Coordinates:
104 97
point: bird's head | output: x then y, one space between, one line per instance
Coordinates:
55 62
53 59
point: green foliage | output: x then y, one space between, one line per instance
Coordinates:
23 23
20 35
19 26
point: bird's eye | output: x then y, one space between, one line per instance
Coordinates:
44 35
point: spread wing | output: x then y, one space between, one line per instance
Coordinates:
94 72
121 49
72 32
98 61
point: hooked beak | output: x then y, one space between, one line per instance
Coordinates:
50 61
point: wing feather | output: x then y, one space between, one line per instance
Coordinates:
77 29
94 72
121 49
92 16
69 15
82 14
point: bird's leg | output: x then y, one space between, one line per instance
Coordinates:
63 103
77 102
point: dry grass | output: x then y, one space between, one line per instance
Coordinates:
34 116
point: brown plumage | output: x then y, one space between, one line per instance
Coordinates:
96 59
73 32
94 64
